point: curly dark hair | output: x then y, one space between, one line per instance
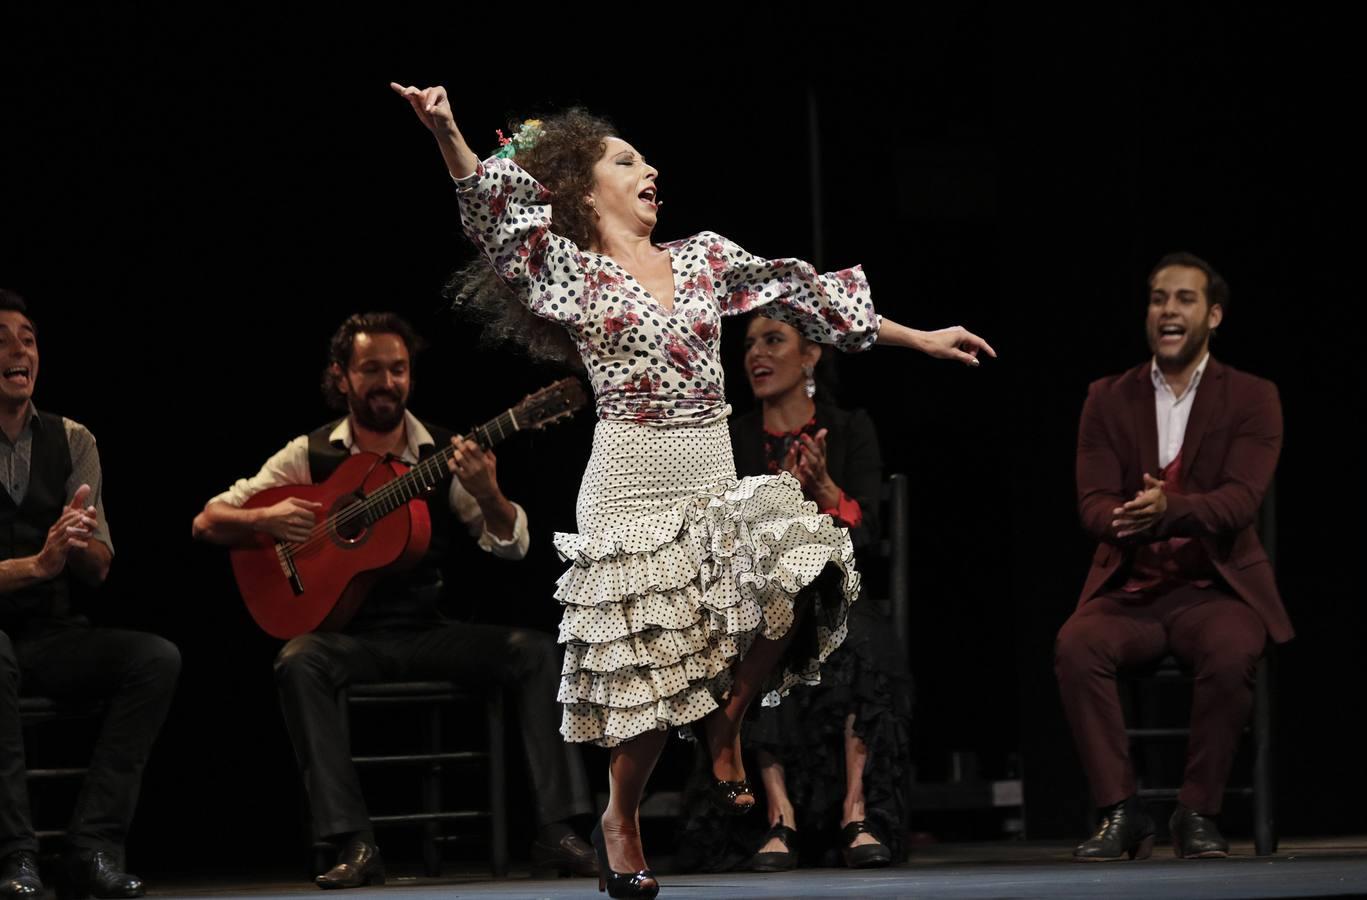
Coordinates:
562 160
343 344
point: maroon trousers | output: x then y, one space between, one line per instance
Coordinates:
1218 635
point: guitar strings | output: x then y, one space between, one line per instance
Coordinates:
318 536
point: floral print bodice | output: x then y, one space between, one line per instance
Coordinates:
648 364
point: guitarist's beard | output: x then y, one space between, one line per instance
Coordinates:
380 421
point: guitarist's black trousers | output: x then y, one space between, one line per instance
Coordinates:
313 668
68 659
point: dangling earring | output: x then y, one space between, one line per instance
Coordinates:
809 371
596 213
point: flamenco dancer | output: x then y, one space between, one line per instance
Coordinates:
691 592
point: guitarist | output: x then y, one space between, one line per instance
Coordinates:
398 633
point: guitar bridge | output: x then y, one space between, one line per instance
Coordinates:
290 572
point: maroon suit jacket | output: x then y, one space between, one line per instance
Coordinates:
1229 453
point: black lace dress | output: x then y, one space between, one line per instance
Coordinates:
866 676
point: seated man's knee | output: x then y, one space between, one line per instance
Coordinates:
1075 650
303 657
533 650
161 657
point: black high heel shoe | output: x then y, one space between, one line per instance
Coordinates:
724 795
621 884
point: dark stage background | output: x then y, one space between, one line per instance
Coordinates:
192 203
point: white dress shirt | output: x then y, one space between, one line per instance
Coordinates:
1173 412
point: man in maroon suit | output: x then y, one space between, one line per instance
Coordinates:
1173 459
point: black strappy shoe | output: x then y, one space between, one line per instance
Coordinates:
724 795
773 860
865 856
621 884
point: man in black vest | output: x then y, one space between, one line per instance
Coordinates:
399 632
53 531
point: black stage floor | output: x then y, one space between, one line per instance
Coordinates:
1303 868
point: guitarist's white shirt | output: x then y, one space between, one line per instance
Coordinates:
291 466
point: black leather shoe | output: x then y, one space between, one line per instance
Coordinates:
1195 836
97 873
19 876
776 860
1126 830
865 856
357 866
571 855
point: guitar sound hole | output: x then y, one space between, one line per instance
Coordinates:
349 528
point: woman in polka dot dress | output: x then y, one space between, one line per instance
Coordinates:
688 593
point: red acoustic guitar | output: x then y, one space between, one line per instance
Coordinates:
373 521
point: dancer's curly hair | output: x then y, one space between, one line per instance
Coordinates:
562 160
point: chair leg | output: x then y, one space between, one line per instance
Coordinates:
431 795
498 811
1264 823
1146 712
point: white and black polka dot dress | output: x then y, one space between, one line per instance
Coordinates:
678 565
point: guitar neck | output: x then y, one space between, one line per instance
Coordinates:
493 432
431 471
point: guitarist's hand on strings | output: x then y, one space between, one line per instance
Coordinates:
476 468
291 519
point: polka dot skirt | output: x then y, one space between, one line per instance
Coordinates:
677 567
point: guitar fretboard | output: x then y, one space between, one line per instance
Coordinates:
429 473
